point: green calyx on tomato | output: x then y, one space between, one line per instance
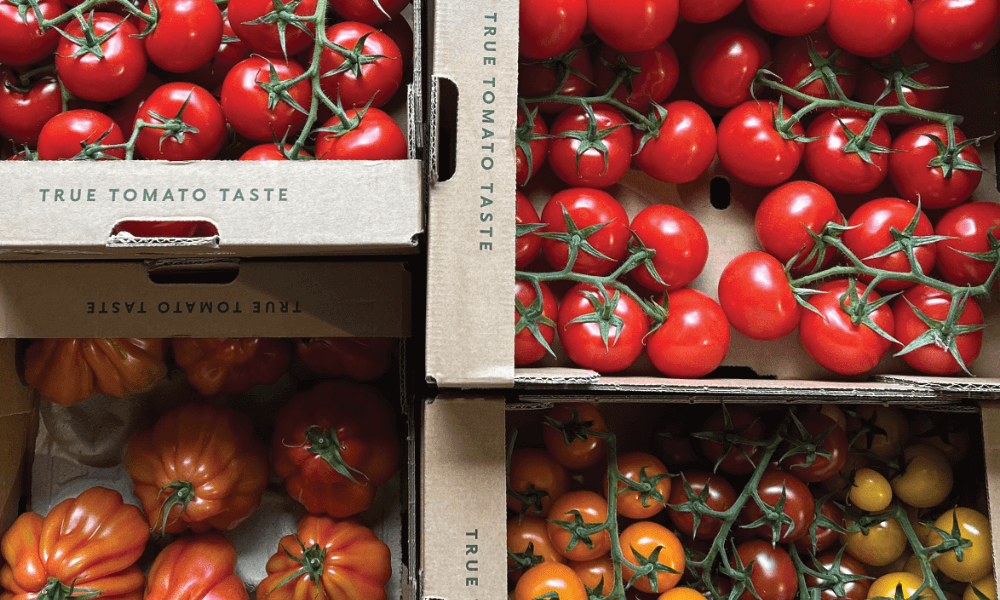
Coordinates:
731 438
943 333
327 445
533 316
281 17
312 560
524 560
604 313
56 590
181 493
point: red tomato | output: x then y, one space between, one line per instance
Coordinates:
772 573
751 147
792 64
856 589
246 104
870 233
682 149
22 42
956 31
573 69
789 17
824 448
357 358
835 162
583 450
968 224
600 159
583 341
369 12
935 358
527 348
799 506
720 497
62 135
547 29
732 457
834 341
532 139
756 297
587 208
24 111
362 79
694 339
825 536
706 11
187 35
657 74
376 136
402 35
102 79
633 26
536 474
936 77
265 38
124 110
529 245
724 64
592 509
265 152
230 52
195 108
680 242
786 216
870 27
915 179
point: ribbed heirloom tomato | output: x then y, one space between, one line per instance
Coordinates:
231 365
198 567
360 359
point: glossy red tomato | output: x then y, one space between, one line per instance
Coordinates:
755 294
773 574
870 233
267 152
857 589
724 64
658 73
117 73
62 136
535 137
694 340
834 341
246 104
736 458
936 77
587 208
376 137
680 242
956 30
720 497
799 506
633 26
369 11
592 508
870 27
915 179
196 108
789 17
786 216
548 29
793 64
583 450
123 111
360 82
22 42
827 448
527 348
230 52
825 536
684 147
706 11
752 149
24 111
265 38
541 78
969 225
402 35
527 246
597 163
582 340
834 161
187 35
936 358
535 472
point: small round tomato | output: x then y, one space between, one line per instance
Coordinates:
886 430
527 348
725 63
536 474
799 506
528 539
64 133
266 37
124 110
870 232
640 542
751 147
532 139
372 135
755 294
362 78
882 545
824 448
187 35
825 536
926 479
956 32
950 436
915 175
649 76
599 574
680 242
579 326
870 491
573 70
832 338
987 586
588 508
22 42
870 27
529 245
24 111
888 585
854 589
268 152
246 103
772 573
731 457
574 449
633 26
706 11
600 159
642 469
836 161
936 357
720 497
586 208
935 78
548 29
967 225
786 216
793 64
683 147
550 578
694 340
977 559
789 17
202 126
101 79
369 12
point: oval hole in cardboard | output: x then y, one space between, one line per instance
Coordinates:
720 194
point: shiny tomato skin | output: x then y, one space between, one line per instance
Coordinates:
540 78
956 31
659 71
969 225
539 148
593 572
683 149
755 294
789 17
592 168
833 341
531 467
267 152
706 11
642 539
22 42
378 80
721 496
61 137
547 578
102 79
787 214
773 573
22 116
745 425
825 537
870 27
593 508
870 233
187 35
724 64
633 26
582 341
915 180
936 76
977 559
264 38
932 358
586 207
834 168
799 505
245 103
378 137
548 29
367 11
200 110
694 340
751 148
527 350
831 454
630 503
680 242
533 531
527 246
579 454
792 64
853 590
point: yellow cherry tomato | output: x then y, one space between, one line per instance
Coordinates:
887 430
871 491
913 566
885 586
977 559
987 586
840 484
926 479
683 593
884 543
923 532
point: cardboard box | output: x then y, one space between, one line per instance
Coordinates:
279 299
471 232
70 210
463 484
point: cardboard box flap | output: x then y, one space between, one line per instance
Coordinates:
266 299
977 386
991 447
475 48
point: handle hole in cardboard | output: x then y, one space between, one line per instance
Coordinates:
720 193
166 229
447 129
209 273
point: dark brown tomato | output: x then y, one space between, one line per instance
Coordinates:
720 496
823 445
727 454
852 590
799 506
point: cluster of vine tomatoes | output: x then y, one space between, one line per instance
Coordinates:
209 80
831 484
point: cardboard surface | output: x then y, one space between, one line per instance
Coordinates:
267 299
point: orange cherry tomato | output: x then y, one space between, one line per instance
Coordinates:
573 448
547 578
644 469
646 542
585 507
538 478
